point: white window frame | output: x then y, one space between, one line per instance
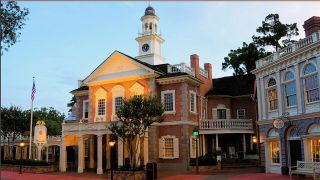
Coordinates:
269 88
100 94
175 147
244 113
83 108
271 154
173 101
194 99
284 86
193 145
117 91
304 76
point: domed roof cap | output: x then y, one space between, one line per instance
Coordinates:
149 11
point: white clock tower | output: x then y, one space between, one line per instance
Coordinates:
150 40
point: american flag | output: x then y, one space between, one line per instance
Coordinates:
33 90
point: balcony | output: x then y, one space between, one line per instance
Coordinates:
301 44
72 128
218 126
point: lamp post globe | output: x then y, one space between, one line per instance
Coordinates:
111 144
21 144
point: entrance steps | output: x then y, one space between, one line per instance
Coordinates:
239 163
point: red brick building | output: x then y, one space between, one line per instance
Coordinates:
223 112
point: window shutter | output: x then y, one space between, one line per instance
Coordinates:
161 148
228 113
175 147
214 113
192 155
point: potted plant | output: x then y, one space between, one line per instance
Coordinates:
219 153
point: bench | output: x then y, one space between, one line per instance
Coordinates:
306 168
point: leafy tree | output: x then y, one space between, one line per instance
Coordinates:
12 21
242 60
72 102
13 124
51 117
135 116
273 30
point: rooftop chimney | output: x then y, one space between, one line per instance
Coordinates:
311 25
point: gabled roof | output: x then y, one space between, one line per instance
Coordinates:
82 88
134 60
232 86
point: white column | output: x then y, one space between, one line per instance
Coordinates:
259 98
279 94
251 143
300 103
80 154
47 155
204 145
39 148
217 142
244 145
263 100
120 153
145 150
108 152
91 151
99 153
62 160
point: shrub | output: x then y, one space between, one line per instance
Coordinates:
206 160
128 168
27 162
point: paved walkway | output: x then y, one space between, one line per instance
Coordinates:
236 174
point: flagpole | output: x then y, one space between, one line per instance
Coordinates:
31 119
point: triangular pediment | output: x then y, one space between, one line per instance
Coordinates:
117 66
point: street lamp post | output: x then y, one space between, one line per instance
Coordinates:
21 146
111 144
196 134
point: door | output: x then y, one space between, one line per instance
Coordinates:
295 152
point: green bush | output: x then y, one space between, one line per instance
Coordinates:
27 162
206 160
128 168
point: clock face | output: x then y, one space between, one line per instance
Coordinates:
145 47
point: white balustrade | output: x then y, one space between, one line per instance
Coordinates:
182 67
314 38
84 126
203 73
226 124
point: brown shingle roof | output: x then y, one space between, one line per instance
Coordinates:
233 85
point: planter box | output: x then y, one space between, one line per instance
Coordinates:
30 169
129 175
252 156
213 168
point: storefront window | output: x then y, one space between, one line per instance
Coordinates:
275 151
315 150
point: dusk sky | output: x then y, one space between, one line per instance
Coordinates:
63 42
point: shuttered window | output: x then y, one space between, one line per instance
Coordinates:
168 147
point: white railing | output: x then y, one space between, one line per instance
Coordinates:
203 73
54 138
314 38
78 126
182 67
245 124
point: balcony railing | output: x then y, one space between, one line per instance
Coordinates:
182 67
80 126
312 39
230 124
203 73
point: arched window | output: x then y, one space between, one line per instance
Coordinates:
146 26
272 94
273 135
150 26
311 83
314 129
290 89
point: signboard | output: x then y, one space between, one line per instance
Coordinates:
40 133
278 123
